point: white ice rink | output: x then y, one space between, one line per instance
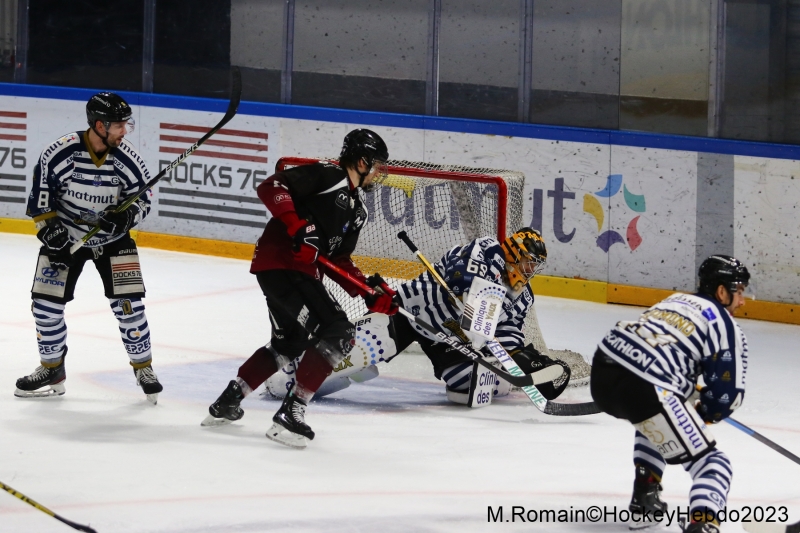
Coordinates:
390 455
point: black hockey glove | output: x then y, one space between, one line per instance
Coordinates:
530 360
56 243
117 223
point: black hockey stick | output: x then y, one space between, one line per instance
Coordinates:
233 106
761 438
521 380
45 510
771 527
535 396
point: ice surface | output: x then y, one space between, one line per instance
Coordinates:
391 455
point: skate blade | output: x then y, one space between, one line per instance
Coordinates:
54 390
547 375
641 526
279 434
152 398
211 421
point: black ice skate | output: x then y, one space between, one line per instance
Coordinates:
646 499
289 427
51 377
701 527
226 409
146 378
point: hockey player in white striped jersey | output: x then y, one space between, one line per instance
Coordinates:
647 371
77 183
379 338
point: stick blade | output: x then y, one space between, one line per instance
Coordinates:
571 409
771 527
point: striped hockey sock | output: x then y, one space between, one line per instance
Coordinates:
51 330
711 476
646 454
457 377
133 327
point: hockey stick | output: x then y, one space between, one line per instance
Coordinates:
765 527
45 510
518 380
541 403
761 438
233 106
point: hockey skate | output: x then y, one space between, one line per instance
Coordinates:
146 378
51 377
701 527
226 409
289 426
646 499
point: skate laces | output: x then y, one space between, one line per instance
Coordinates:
298 411
39 373
146 375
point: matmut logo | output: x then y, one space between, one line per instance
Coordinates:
230 144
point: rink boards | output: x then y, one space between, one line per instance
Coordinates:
642 215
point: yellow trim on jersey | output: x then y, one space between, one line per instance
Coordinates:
98 161
577 289
44 216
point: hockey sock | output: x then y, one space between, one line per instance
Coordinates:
645 454
255 371
311 372
711 481
51 331
133 328
457 377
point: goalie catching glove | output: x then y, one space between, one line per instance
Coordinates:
383 301
530 360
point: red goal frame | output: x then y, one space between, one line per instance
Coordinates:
502 188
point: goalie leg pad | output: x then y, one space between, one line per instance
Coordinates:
133 328
51 330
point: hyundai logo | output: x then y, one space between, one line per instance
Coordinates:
49 272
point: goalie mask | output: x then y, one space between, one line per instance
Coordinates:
525 254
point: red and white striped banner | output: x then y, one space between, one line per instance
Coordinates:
13 125
238 145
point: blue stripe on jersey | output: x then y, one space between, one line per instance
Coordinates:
678 339
458 266
67 181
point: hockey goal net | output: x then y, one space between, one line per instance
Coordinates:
439 206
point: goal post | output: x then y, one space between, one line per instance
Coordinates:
439 206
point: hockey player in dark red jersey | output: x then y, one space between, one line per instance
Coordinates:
316 209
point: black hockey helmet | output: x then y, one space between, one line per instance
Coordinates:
363 144
107 108
722 270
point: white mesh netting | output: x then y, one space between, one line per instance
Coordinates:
439 206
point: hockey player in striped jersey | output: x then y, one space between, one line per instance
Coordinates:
77 183
378 338
647 371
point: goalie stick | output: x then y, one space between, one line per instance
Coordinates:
541 403
233 106
518 380
45 510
